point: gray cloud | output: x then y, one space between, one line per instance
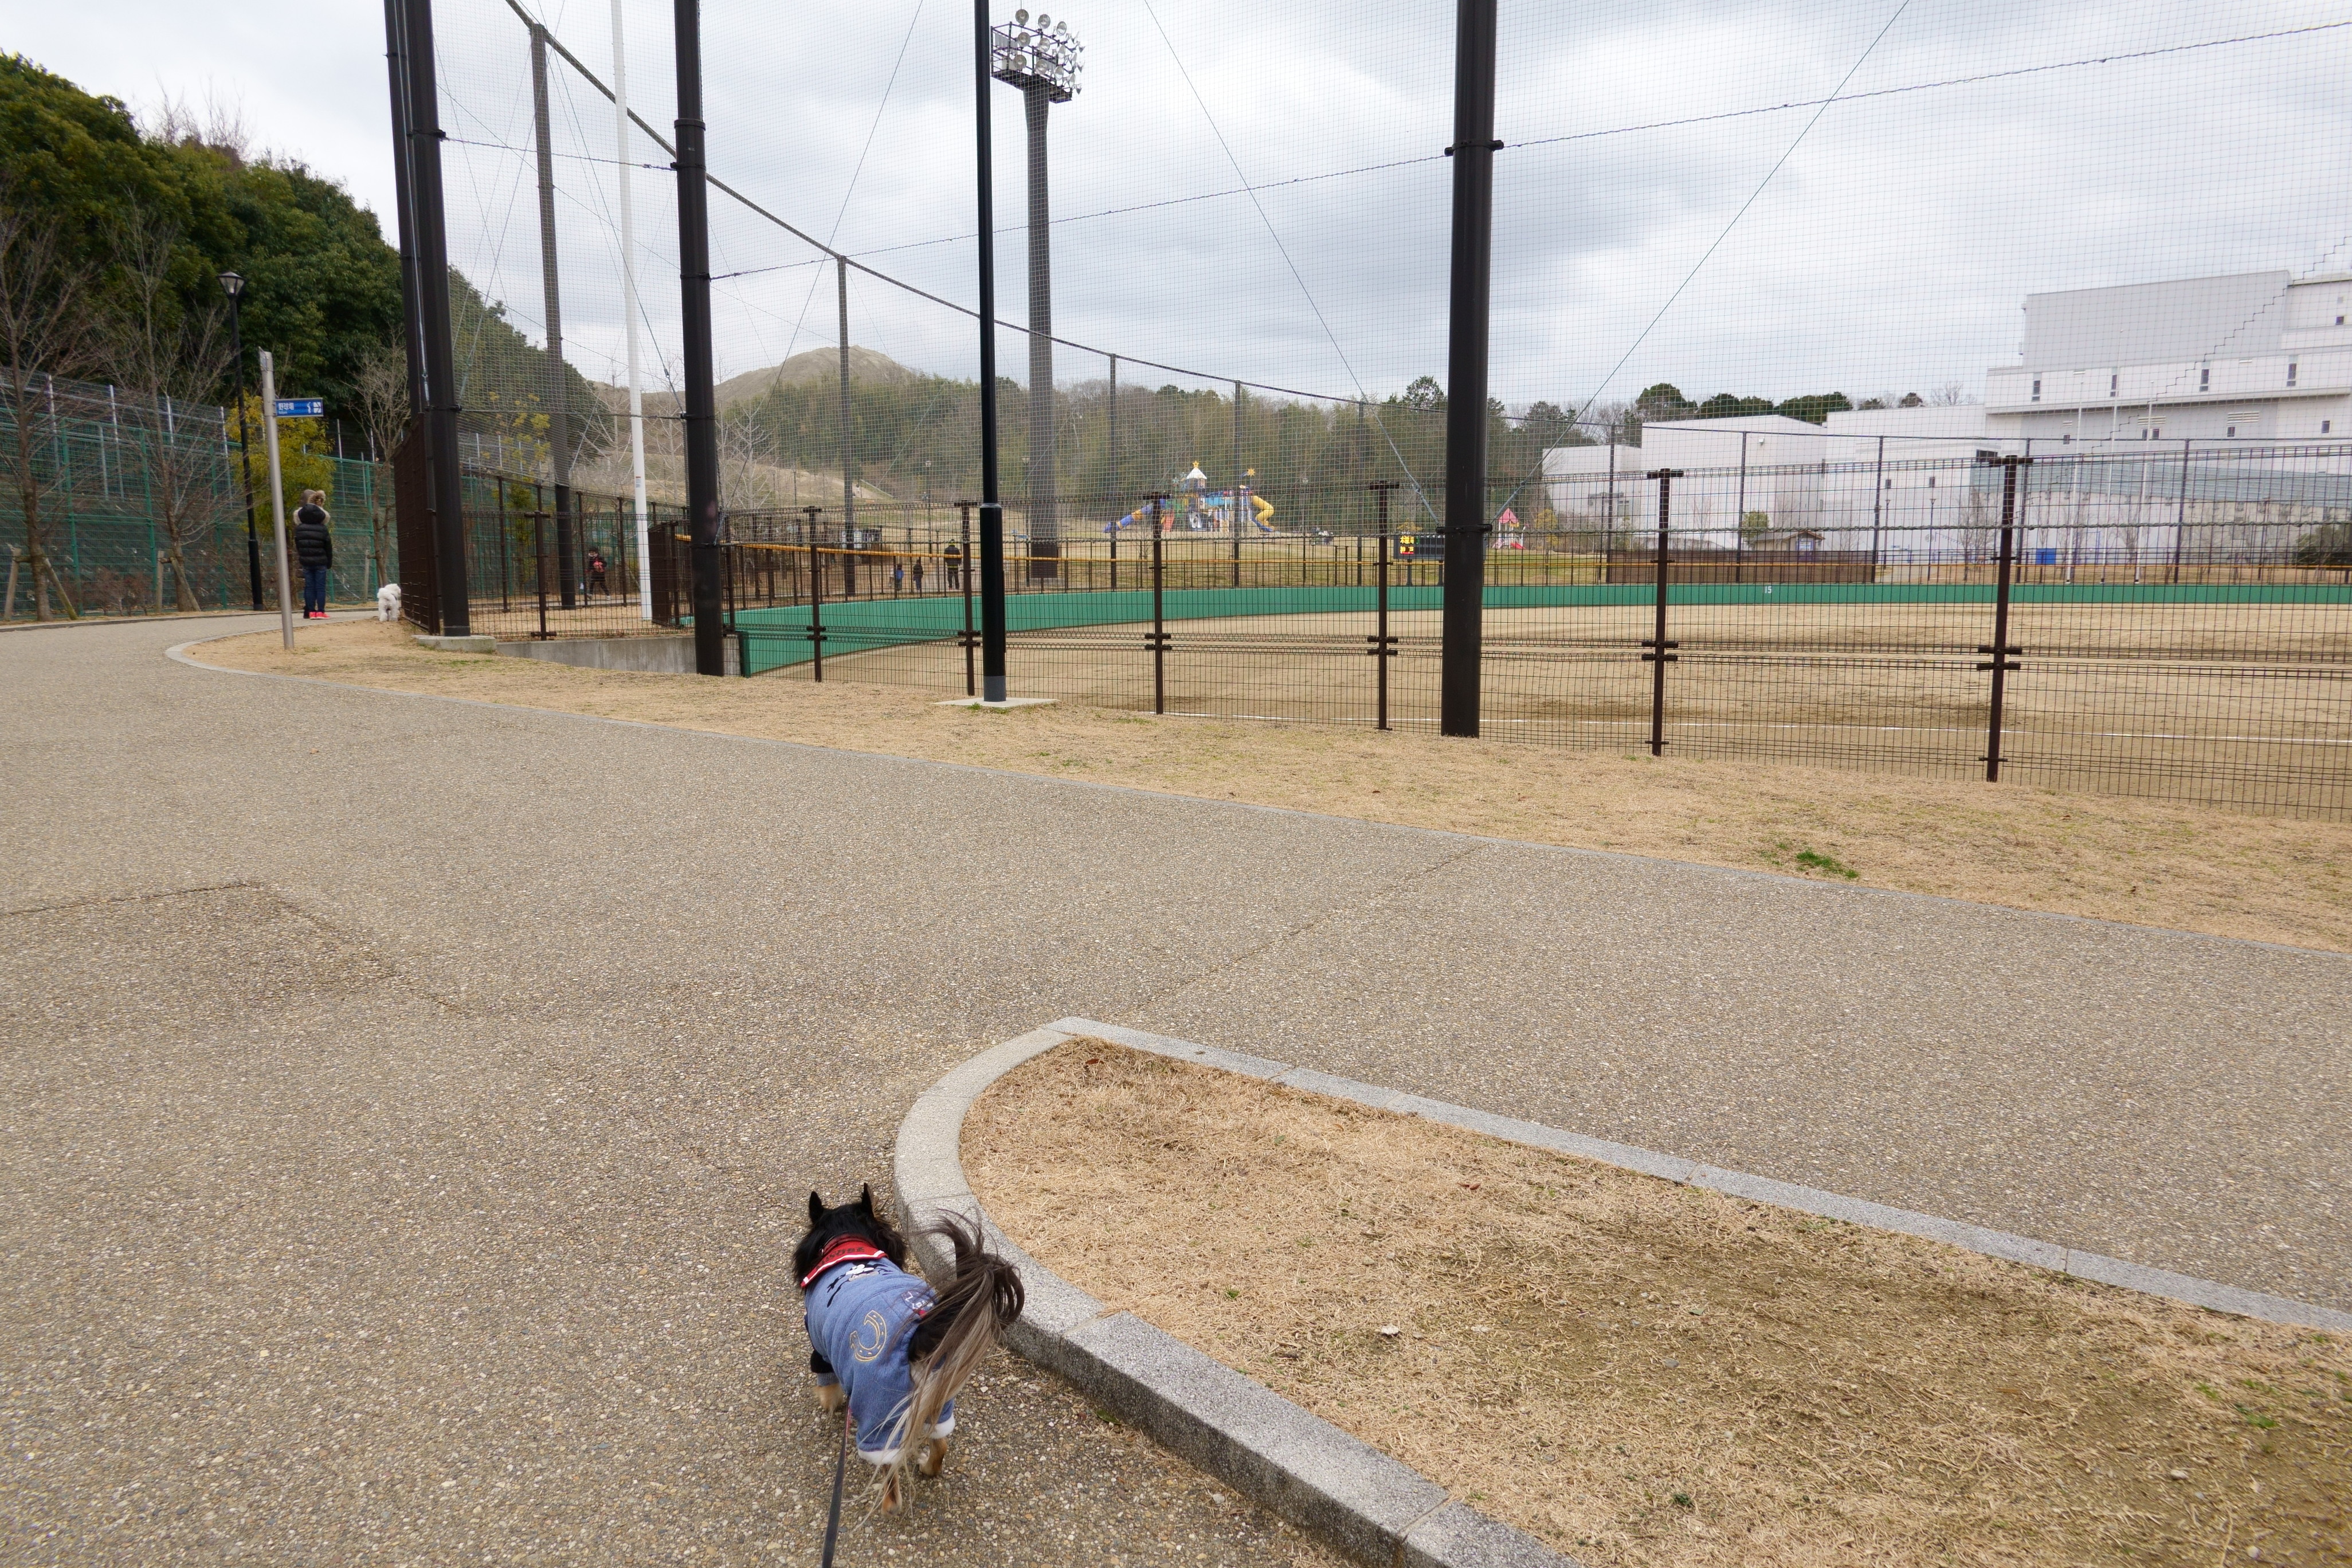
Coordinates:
1894 248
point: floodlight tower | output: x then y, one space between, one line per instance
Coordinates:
1041 58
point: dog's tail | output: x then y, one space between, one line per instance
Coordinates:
981 1299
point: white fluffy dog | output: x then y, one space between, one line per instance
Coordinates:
388 601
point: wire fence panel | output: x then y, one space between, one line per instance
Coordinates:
140 505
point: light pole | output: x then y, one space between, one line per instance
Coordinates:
1042 60
233 287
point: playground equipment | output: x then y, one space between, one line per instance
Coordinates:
1196 509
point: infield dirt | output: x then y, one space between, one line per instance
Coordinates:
2150 863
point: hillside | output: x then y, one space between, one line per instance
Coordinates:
868 367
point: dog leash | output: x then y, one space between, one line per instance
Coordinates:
832 1520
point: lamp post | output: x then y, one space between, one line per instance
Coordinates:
1041 58
233 287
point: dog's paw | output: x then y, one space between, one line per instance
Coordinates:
935 1458
830 1398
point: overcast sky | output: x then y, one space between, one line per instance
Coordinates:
1892 251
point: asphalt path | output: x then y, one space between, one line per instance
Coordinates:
409 1103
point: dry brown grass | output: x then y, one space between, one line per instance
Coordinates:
2149 863
1639 1372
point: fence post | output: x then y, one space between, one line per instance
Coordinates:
1383 645
816 593
963 577
2001 663
1877 505
1159 627
506 568
539 555
1660 654
2181 514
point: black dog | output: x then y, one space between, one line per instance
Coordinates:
885 1344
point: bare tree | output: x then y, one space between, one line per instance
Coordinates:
1951 394
173 360
48 328
380 395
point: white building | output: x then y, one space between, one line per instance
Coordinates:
2251 357
2211 368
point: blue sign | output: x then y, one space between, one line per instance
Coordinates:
302 407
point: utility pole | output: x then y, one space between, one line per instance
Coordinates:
991 504
848 442
1465 377
1043 62
233 287
448 485
694 310
559 424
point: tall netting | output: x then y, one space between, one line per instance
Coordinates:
1776 294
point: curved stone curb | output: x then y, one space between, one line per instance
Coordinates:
1358 1498
1337 1487
2186 1288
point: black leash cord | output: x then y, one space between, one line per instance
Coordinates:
832 1520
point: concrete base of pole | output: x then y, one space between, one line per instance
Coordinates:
999 702
476 643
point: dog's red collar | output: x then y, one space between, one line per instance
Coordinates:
849 1249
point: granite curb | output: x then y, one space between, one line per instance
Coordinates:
1334 1486
2186 1288
1359 1500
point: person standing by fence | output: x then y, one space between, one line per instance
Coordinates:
314 548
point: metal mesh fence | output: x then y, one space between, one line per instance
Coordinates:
1782 253
135 498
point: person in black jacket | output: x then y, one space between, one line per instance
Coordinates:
314 549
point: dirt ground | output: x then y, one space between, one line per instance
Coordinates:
2146 862
1641 1374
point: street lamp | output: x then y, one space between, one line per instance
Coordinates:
1042 59
233 286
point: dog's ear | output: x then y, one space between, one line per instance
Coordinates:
816 1208
866 1198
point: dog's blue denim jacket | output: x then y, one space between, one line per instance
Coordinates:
861 1318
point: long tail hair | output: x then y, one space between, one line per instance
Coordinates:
982 1298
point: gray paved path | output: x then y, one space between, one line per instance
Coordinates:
473 1063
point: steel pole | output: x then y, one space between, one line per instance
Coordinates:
2001 664
1044 513
1661 650
245 452
1465 389
559 423
395 31
992 501
448 479
277 494
694 290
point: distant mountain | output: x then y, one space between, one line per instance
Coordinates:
866 367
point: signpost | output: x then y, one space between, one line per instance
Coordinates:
277 489
302 407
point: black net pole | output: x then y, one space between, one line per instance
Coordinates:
1465 380
694 312
991 500
1660 650
448 484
